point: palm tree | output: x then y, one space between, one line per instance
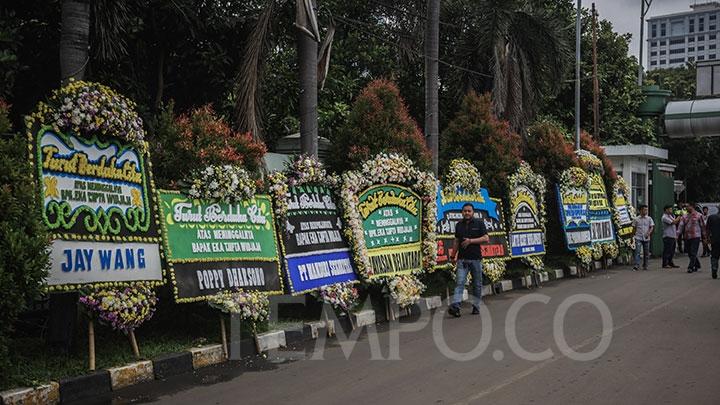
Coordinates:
109 21
529 46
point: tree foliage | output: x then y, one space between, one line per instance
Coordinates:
680 81
478 135
620 95
378 122
24 242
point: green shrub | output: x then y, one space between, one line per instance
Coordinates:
195 140
378 122
477 135
24 242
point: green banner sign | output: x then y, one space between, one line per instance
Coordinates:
212 246
391 217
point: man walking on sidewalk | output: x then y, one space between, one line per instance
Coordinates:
713 229
469 234
669 224
644 226
692 227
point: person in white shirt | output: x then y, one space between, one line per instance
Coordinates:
669 224
644 226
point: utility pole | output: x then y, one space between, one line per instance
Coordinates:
596 85
578 33
432 41
644 7
307 47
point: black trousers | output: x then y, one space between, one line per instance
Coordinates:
692 246
668 251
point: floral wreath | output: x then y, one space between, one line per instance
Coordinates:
620 186
87 107
95 111
405 289
576 177
388 168
224 183
589 161
252 306
299 171
462 175
342 296
122 309
536 182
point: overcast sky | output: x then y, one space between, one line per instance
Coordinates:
625 15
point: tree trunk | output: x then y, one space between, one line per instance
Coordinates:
74 39
307 55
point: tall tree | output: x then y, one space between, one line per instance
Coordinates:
528 46
74 39
620 95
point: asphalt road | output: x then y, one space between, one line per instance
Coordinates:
664 347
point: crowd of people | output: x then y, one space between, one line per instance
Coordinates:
685 227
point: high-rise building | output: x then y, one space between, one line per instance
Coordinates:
675 39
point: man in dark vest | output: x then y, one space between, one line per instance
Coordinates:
469 234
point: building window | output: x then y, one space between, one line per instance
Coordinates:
691 59
662 43
701 24
692 25
653 53
653 43
701 37
691 49
677 41
712 28
639 183
654 31
701 57
713 36
712 17
691 39
712 46
701 48
677 51
663 62
663 52
653 63
678 60
662 30
712 56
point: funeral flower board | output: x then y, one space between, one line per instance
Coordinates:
488 209
601 226
316 255
216 246
574 215
527 237
391 222
97 199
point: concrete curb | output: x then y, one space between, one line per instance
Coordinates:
207 356
84 387
44 394
364 318
298 334
172 364
431 303
131 374
271 340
